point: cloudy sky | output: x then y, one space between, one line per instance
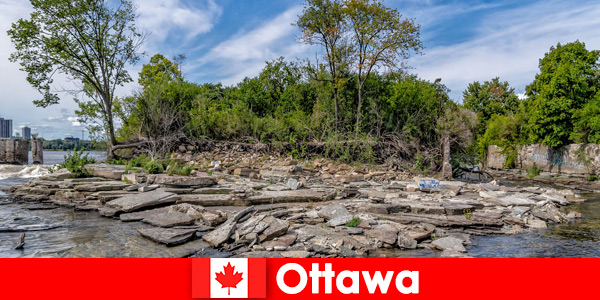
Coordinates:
227 40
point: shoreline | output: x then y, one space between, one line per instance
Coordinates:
299 211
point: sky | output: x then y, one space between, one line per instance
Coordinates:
227 40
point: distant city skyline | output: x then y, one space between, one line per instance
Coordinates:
227 40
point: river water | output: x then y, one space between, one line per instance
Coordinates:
86 234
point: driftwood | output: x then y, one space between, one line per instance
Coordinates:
20 241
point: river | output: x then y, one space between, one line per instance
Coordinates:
86 234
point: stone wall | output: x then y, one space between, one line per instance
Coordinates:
13 151
570 159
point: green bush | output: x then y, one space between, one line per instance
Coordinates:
75 162
354 222
534 171
154 167
138 162
176 169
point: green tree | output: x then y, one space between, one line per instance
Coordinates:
322 23
587 122
568 79
490 98
89 41
380 37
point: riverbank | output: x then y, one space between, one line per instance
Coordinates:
286 208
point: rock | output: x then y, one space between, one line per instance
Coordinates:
283 242
20 242
102 186
536 223
169 219
260 254
489 187
384 232
148 188
333 211
349 178
338 221
137 202
140 215
512 200
417 234
134 178
406 243
293 184
222 233
253 225
555 197
449 243
290 196
346 252
182 181
295 254
520 210
243 172
114 172
168 236
276 228
213 218
108 212
412 188
574 215
194 211
427 209
59 175
458 209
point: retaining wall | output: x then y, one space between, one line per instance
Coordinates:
570 159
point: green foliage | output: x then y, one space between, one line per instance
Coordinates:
112 161
468 214
154 167
503 132
75 162
354 222
139 161
568 79
534 171
177 169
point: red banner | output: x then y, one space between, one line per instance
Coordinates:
299 278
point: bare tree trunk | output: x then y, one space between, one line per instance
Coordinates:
358 108
335 101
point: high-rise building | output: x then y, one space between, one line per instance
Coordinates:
5 128
26 133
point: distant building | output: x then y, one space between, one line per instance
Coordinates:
5 128
26 133
71 140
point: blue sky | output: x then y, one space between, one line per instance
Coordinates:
227 40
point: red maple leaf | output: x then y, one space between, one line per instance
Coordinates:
228 279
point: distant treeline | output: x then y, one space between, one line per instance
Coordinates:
62 145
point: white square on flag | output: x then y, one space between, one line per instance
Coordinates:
229 278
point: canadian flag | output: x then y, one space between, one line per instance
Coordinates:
229 278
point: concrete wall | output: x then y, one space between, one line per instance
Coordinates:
570 159
13 151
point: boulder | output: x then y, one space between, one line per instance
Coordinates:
282 242
131 203
333 211
276 228
114 172
213 217
406 243
449 243
384 232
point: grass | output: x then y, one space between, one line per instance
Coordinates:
354 222
534 171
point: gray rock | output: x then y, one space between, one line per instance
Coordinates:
140 215
137 202
101 186
114 172
519 210
513 200
252 225
406 243
169 219
449 243
276 228
148 188
384 232
283 242
490 187
295 254
182 181
213 218
536 223
338 221
293 184
168 236
222 233
333 211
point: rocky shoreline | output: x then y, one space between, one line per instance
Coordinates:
287 209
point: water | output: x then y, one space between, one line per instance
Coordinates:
580 238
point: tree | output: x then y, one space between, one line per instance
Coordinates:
568 79
322 23
380 37
89 41
490 98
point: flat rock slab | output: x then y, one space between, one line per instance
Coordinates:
511 201
169 219
211 200
384 232
449 243
290 196
140 215
101 186
333 211
168 236
131 203
182 181
41 207
106 171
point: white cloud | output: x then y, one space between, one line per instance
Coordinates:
509 44
245 53
165 17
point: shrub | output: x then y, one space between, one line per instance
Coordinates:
354 222
75 162
154 167
534 171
